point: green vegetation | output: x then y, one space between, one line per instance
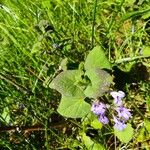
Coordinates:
54 53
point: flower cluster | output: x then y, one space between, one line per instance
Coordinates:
100 109
122 112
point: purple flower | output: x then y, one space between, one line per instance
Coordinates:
119 94
103 119
98 108
119 124
117 97
123 112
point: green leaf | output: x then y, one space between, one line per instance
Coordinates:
134 14
88 119
46 4
146 51
92 120
147 125
100 82
91 145
129 2
96 124
67 83
63 64
141 135
73 107
144 132
36 47
96 59
146 16
6 115
126 135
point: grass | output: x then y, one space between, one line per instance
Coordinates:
36 36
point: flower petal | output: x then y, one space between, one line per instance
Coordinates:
103 119
98 108
119 94
123 113
119 124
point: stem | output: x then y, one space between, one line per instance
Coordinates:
46 135
14 83
31 128
94 15
140 113
128 59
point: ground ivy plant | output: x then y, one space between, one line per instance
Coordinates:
71 84
91 81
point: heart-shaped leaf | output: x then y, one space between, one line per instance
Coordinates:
73 107
126 135
100 82
67 83
96 59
